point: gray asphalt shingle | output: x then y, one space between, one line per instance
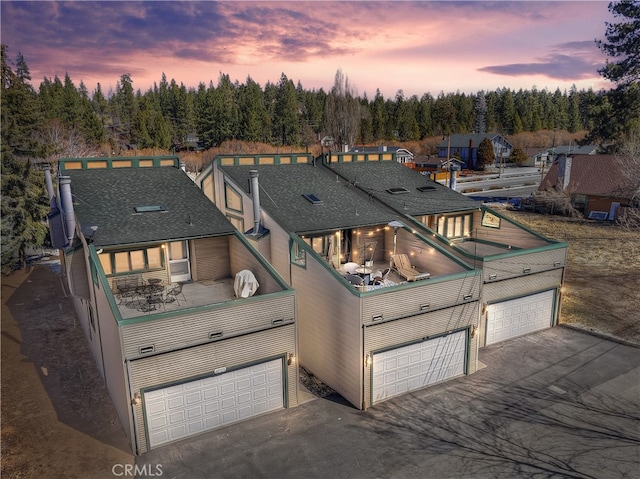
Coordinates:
377 177
107 198
281 194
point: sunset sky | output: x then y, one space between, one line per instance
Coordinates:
419 47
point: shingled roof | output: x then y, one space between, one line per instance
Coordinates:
108 198
282 190
594 175
382 179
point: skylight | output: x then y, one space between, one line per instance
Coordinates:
426 188
398 191
149 208
313 199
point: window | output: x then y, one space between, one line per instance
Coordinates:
237 222
119 262
233 200
455 226
298 255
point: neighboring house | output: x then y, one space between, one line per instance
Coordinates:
465 146
522 271
190 327
597 184
402 154
546 157
330 241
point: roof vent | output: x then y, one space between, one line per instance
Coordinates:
313 199
426 188
398 191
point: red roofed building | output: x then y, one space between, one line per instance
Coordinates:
597 184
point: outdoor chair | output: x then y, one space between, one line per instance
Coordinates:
173 293
405 269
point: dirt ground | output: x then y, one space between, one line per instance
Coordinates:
58 420
602 280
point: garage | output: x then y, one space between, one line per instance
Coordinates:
189 408
417 365
508 319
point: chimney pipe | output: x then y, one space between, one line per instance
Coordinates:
49 183
255 194
67 207
183 166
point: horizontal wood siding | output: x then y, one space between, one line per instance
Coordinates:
210 258
188 328
79 275
393 334
189 364
241 259
280 255
113 360
518 287
508 233
523 263
424 257
329 330
407 301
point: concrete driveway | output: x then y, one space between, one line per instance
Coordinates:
559 403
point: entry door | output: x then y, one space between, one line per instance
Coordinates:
179 261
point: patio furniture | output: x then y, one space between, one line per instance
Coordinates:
126 288
405 269
245 284
173 293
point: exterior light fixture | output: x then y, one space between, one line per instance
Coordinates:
291 359
137 399
368 360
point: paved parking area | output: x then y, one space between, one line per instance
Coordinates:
559 403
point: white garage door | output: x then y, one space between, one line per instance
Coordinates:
176 412
404 369
519 316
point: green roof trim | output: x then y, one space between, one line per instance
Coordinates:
115 162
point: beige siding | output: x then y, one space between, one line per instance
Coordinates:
190 363
392 334
517 287
424 257
78 274
186 329
210 258
280 256
523 264
329 330
114 372
508 233
241 258
414 298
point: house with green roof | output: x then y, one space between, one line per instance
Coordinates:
383 309
190 327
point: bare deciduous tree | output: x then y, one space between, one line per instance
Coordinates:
342 111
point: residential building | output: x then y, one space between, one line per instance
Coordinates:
522 271
402 154
598 185
382 308
190 327
465 147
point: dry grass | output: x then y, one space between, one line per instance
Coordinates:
602 277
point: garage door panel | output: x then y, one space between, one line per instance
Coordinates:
178 411
404 369
509 319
